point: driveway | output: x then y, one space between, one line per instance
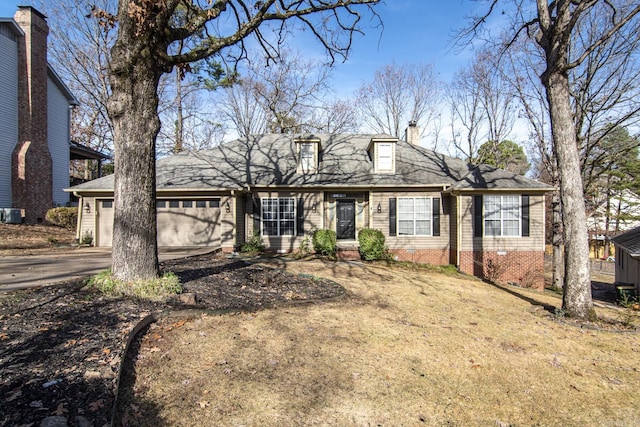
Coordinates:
20 272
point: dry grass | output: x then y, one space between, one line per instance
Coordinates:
409 348
27 239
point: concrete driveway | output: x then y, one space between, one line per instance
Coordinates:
20 272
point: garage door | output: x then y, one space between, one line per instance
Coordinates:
188 222
180 222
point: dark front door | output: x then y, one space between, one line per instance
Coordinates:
346 228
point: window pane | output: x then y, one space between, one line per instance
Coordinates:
492 207
174 203
161 204
511 228
384 156
405 228
491 228
287 228
270 228
215 203
423 227
287 209
107 204
187 204
201 203
307 156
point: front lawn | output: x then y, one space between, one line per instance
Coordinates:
406 347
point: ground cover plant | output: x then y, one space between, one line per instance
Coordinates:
406 347
26 239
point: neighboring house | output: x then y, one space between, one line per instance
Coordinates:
432 208
628 258
34 119
611 217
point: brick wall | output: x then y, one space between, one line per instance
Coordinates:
423 256
523 267
31 172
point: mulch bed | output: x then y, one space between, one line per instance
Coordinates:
61 345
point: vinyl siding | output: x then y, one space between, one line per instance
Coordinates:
58 140
535 242
312 220
8 111
380 221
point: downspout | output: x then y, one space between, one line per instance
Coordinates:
79 216
459 230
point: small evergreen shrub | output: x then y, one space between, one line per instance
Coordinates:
324 242
254 245
153 289
372 244
87 238
305 247
63 217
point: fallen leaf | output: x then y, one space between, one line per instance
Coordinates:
70 343
60 410
94 406
203 404
3 337
106 351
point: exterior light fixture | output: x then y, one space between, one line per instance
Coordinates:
87 207
227 207
379 208
313 208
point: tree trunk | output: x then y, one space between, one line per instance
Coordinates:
577 282
133 108
557 273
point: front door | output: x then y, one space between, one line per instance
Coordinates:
346 227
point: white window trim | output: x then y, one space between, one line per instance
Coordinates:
501 219
391 156
429 215
278 220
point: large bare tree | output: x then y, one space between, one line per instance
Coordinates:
140 56
397 95
555 26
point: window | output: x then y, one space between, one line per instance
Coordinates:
278 217
174 203
414 216
107 204
502 215
201 203
385 156
215 203
161 204
187 204
307 156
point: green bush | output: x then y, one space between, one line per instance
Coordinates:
324 242
63 217
154 289
372 244
254 245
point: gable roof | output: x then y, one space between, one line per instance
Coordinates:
629 241
271 161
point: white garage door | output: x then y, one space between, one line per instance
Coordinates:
180 222
188 222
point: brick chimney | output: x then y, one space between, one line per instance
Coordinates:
31 173
412 133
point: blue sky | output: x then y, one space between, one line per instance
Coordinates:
415 31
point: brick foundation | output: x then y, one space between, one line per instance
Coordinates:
523 267
423 256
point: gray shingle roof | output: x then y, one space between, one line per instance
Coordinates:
271 160
630 241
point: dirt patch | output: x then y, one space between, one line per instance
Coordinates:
31 239
61 345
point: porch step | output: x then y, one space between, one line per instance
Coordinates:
347 252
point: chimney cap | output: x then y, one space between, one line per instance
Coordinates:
33 10
413 123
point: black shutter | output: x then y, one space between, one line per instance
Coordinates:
436 216
477 216
525 216
257 214
300 217
392 216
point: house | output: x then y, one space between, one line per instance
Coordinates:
628 258
614 213
432 208
34 119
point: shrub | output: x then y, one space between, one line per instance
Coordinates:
324 242
305 247
153 289
254 245
63 217
87 238
372 245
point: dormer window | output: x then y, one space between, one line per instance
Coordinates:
308 154
383 154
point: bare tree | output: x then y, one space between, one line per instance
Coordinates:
397 95
555 27
141 55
